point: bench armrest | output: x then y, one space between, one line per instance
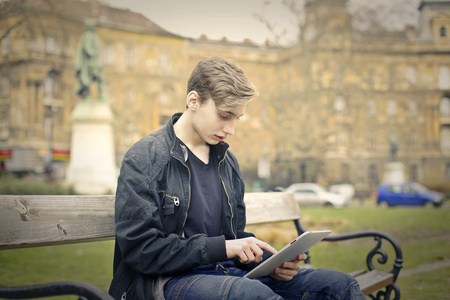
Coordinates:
378 236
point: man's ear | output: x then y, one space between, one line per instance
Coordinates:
192 101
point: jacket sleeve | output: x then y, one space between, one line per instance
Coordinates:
140 235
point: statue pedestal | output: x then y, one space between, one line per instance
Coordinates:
394 172
92 168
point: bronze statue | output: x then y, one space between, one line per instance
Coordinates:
88 66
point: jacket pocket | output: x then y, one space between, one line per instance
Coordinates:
169 204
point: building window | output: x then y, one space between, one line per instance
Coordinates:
371 143
49 86
342 140
4 87
391 77
412 107
443 32
444 107
373 175
345 173
391 108
411 75
370 75
444 78
164 63
50 45
445 139
108 55
413 173
129 58
413 140
339 104
371 107
6 45
129 96
447 171
129 129
303 172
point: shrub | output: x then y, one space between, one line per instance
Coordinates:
11 185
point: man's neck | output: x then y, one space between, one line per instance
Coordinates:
186 133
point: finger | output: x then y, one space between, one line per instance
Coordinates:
243 257
291 265
257 252
302 257
249 253
266 246
285 274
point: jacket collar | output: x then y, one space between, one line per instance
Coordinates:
179 151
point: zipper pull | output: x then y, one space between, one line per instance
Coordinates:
124 296
176 201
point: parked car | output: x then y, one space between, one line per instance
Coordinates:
315 194
409 193
346 190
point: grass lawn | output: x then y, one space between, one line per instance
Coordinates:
424 234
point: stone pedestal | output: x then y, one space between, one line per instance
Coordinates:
92 168
394 172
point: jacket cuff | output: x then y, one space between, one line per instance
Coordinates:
215 249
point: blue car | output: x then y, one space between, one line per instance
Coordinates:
409 193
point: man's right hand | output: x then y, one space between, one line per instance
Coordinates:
248 249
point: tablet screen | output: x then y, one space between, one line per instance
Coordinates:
289 252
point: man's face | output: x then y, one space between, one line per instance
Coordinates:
214 124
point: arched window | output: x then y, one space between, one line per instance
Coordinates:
443 32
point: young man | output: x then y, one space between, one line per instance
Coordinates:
180 214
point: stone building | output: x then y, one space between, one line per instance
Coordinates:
328 106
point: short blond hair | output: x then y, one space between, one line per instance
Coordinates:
223 81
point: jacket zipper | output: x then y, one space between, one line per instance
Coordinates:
228 197
189 199
175 199
124 295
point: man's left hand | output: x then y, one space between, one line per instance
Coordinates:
289 269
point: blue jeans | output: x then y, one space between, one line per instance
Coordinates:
225 281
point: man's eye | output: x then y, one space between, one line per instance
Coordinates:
225 117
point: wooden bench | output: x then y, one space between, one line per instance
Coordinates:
31 221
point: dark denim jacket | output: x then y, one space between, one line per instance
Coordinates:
152 202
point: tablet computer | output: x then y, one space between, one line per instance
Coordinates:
289 252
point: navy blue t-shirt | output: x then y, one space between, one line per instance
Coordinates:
206 196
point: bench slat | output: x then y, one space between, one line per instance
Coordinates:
374 280
27 221
271 207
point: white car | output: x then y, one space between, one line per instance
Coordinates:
308 194
346 190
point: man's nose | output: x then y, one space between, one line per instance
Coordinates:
229 128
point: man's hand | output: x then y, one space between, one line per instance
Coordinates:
248 250
289 269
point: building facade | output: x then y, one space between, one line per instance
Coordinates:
331 108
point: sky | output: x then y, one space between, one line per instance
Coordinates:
233 19
236 20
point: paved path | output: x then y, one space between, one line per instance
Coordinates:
425 267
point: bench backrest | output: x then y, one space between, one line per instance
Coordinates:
41 220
